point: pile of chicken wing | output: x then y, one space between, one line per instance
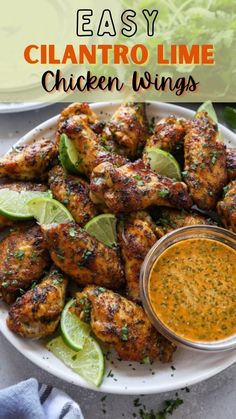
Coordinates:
38 262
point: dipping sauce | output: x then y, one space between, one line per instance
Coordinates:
192 289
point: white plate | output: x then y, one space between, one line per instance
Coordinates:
129 378
20 107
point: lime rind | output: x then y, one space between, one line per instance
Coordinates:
74 331
88 363
163 163
103 228
49 211
14 205
68 154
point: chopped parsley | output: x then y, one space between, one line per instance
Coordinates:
164 192
124 334
99 290
72 232
19 254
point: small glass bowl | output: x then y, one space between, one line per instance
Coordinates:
197 231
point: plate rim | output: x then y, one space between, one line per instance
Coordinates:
62 374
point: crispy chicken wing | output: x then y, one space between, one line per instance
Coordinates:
31 161
136 235
205 162
129 127
171 219
18 187
135 187
231 163
36 314
24 258
168 134
73 192
227 207
122 324
83 257
82 110
91 147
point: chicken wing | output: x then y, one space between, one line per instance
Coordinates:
36 314
231 163
171 219
136 235
205 162
227 207
24 258
28 162
168 134
18 187
92 148
83 257
123 325
134 187
129 127
82 110
73 192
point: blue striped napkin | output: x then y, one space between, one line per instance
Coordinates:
31 400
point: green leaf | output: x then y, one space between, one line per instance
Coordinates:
229 115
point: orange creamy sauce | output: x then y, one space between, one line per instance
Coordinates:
192 289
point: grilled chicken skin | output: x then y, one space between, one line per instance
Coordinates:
82 110
227 207
18 187
168 134
24 258
28 162
122 324
205 162
136 236
231 163
134 187
36 314
129 127
92 148
73 192
171 219
83 257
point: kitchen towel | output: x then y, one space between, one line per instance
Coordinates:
31 400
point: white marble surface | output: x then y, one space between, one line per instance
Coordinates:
212 399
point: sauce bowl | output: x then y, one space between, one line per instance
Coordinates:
217 234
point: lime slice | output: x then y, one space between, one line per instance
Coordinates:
13 204
103 227
209 108
74 331
69 156
89 362
163 163
48 211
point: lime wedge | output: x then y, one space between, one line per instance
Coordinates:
103 227
89 362
13 204
74 331
209 108
69 156
163 163
49 211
